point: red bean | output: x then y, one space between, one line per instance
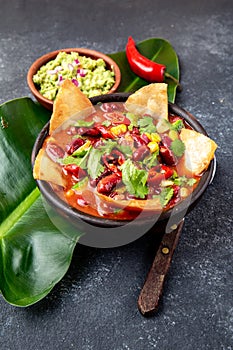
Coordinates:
106 184
75 144
89 131
54 151
167 155
138 141
140 152
106 172
145 138
166 141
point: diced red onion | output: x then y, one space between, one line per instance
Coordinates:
81 72
75 82
76 62
60 79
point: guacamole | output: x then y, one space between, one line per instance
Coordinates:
91 76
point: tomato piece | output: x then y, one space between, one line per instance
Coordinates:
117 118
75 170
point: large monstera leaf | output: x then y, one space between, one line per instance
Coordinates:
34 254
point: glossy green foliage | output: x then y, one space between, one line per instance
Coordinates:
34 255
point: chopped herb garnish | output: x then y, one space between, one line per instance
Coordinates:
166 195
184 181
81 123
177 125
191 182
178 147
80 184
126 149
94 165
134 179
106 123
133 120
79 157
151 160
146 124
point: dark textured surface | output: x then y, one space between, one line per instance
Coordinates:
94 307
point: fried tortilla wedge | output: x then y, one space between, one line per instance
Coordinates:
45 169
199 150
69 101
151 99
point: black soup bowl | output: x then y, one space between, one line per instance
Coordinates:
106 233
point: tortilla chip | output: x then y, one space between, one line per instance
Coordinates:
151 99
45 169
69 101
199 150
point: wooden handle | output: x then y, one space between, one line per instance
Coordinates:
151 292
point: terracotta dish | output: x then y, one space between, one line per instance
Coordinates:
51 55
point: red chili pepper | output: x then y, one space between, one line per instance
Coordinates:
144 67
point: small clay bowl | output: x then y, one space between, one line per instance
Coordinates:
110 64
105 233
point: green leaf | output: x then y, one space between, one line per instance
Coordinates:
134 179
85 123
94 165
178 147
79 157
146 125
34 255
156 49
166 195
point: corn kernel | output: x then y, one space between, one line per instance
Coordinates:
155 137
148 135
119 129
153 146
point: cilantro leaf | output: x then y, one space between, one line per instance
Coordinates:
177 125
106 123
125 149
133 119
151 160
78 157
191 181
178 147
80 183
184 181
134 179
94 165
146 124
81 123
166 195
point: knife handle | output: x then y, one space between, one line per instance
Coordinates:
151 292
